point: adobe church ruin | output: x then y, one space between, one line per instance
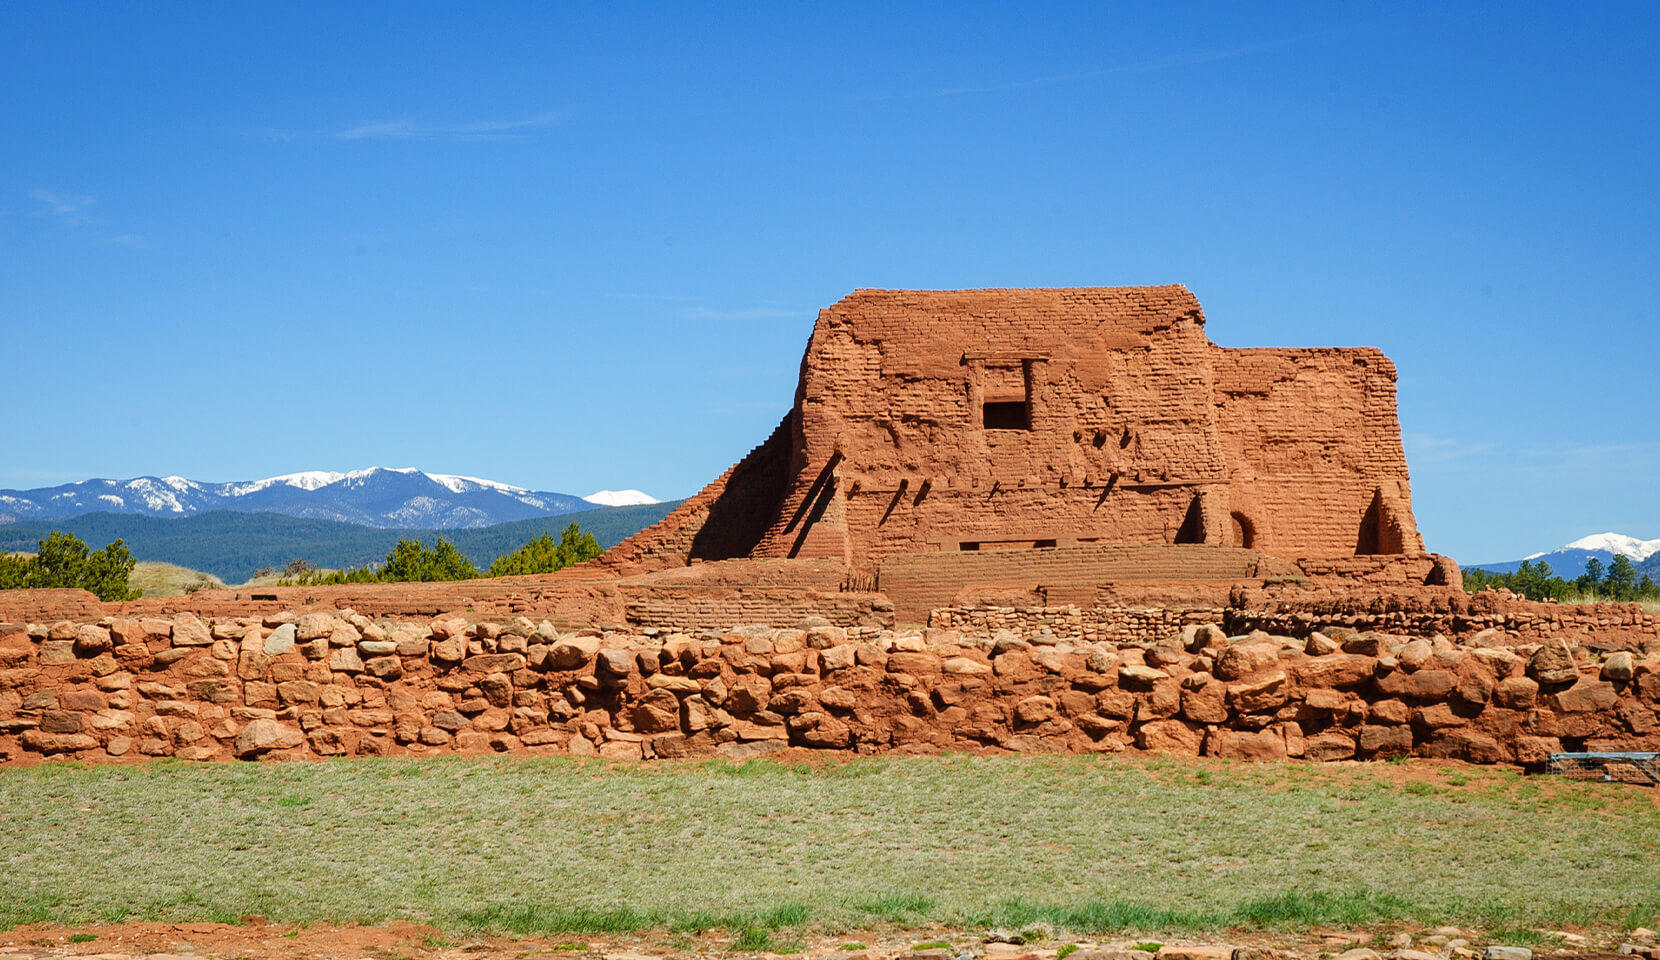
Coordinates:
933 422
1025 520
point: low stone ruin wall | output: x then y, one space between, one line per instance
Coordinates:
1423 613
1099 624
1447 611
324 684
565 603
673 608
19 605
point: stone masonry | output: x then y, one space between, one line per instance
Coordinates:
321 684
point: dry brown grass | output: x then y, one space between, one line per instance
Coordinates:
1131 843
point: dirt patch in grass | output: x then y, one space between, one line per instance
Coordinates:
258 939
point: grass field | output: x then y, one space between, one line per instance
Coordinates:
1090 845
169 579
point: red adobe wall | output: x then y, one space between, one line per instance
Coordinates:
1137 430
1312 439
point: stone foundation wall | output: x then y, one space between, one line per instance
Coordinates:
322 684
1602 627
565 603
1136 625
1448 611
671 609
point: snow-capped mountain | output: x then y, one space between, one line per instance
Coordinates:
377 497
1568 561
620 498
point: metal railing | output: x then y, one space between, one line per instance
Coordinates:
1609 767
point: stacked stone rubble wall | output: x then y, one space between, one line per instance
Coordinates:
121 689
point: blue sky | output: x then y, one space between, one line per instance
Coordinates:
582 247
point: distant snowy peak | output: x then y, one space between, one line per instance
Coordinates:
305 480
318 479
1569 561
620 498
457 484
401 497
1638 550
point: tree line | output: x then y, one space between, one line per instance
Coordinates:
65 561
1617 581
412 561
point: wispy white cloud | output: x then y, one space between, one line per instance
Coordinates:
1442 454
131 241
1152 65
412 130
651 296
416 130
69 208
745 313
1640 455
1446 452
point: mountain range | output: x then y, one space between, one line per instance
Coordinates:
1568 561
233 546
387 498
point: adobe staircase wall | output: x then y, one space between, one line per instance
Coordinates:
316 685
21 605
696 597
919 583
723 521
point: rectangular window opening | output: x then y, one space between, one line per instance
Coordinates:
1006 415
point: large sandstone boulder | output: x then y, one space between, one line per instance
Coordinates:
188 631
1243 659
572 653
1171 736
1553 663
262 735
1334 670
1247 745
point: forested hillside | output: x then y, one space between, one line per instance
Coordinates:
233 546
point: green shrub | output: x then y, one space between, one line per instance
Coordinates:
413 561
64 562
543 555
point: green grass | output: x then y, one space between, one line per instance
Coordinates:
1125 846
1523 937
901 908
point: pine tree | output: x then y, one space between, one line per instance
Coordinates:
1593 574
1621 581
